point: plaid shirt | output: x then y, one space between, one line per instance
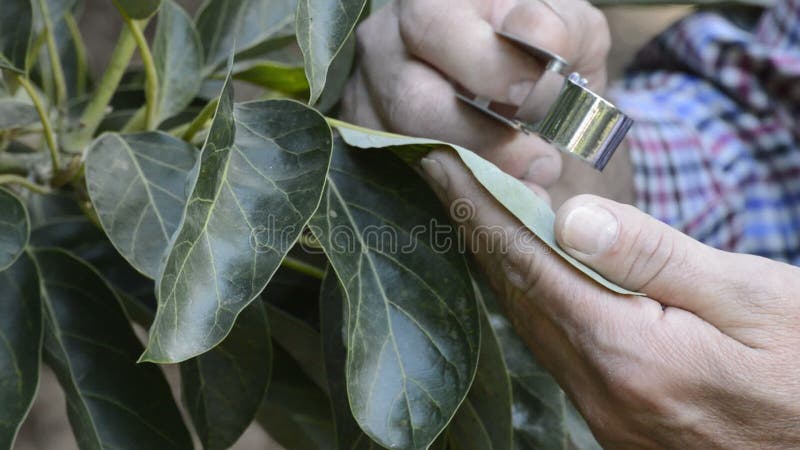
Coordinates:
715 147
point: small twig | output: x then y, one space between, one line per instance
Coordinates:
200 121
303 267
23 182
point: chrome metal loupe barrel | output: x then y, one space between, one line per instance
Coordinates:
563 111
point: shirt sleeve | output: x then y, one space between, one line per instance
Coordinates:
715 144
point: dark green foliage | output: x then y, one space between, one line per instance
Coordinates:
290 274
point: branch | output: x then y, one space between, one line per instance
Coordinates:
96 109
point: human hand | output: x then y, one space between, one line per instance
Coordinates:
709 358
409 50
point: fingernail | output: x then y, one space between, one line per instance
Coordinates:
590 229
435 171
518 92
542 170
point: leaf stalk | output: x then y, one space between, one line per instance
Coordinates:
151 75
96 109
55 60
303 267
23 182
47 127
200 121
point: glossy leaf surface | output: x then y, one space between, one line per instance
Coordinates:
484 421
21 335
137 184
531 210
301 342
16 114
16 22
178 57
112 402
296 412
323 27
223 388
333 308
412 319
84 240
14 228
542 414
247 23
275 76
260 179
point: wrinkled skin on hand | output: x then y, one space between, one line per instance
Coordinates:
707 359
412 52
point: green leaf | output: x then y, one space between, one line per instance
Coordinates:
112 402
54 206
296 294
296 412
69 45
16 114
301 342
16 23
531 210
137 184
484 420
413 325
541 416
21 335
323 27
338 76
332 306
273 75
245 23
14 228
178 56
138 9
223 389
260 179
84 240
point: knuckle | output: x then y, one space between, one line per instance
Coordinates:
600 33
416 17
654 250
521 266
400 107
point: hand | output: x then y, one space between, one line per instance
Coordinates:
709 358
411 49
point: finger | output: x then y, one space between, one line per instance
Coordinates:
453 37
357 104
586 312
574 30
741 295
414 99
603 348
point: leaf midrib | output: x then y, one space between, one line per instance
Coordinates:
390 328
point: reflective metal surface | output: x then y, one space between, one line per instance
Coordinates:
584 124
562 111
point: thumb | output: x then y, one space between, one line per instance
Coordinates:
643 254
